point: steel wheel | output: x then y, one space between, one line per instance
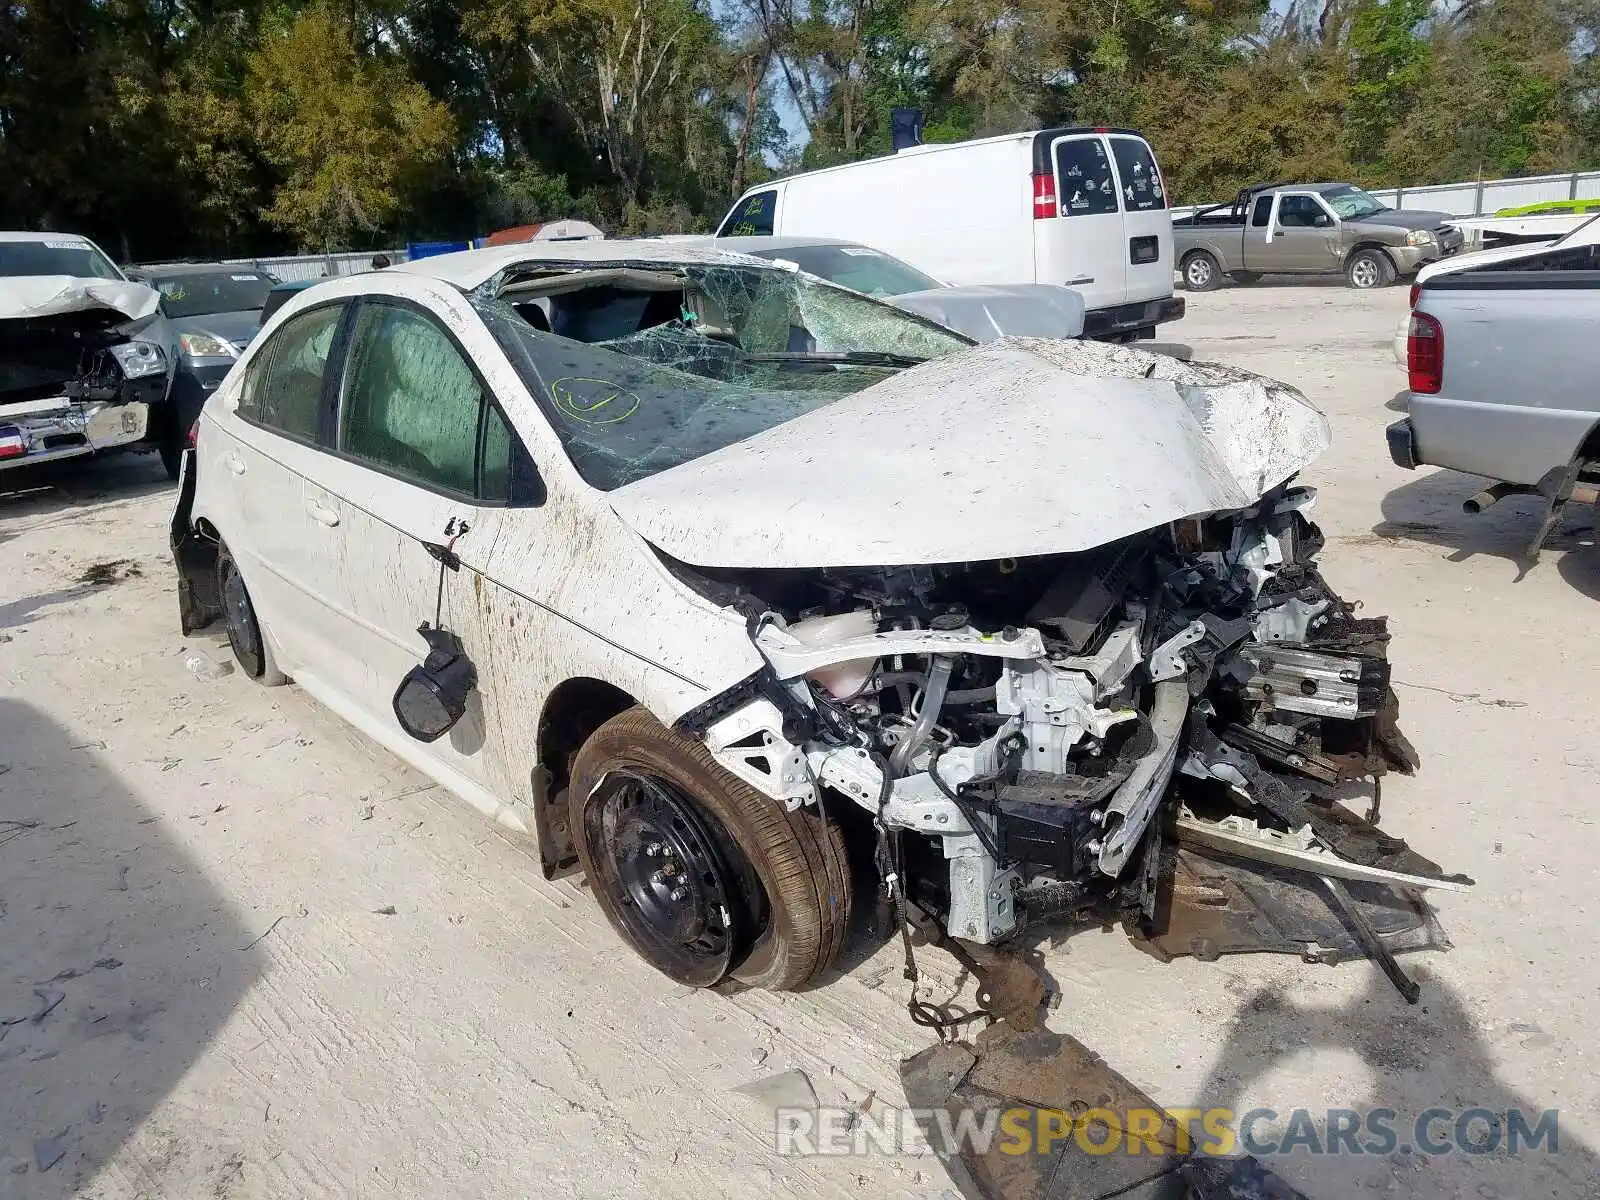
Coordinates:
239 615
686 896
244 628
1201 272
765 891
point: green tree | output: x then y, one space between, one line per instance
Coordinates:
351 133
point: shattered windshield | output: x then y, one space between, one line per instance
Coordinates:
47 257
856 267
1352 203
642 369
205 292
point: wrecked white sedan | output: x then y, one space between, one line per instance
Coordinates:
710 575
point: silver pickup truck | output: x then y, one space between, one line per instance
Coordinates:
1502 365
1308 229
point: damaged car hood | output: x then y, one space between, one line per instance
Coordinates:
30 296
1020 447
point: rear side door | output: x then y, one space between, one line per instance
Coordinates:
1085 248
1147 222
1258 250
409 505
270 435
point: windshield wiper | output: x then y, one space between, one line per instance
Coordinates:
866 358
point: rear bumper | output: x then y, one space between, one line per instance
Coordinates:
1510 443
67 429
1402 446
199 602
1131 318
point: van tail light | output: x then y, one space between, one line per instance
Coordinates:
1044 197
1425 354
1416 290
194 433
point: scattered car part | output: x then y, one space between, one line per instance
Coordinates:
1056 1089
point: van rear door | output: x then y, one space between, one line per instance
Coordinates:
1078 237
1147 223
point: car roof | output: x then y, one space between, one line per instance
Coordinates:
44 236
194 268
468 269
760 245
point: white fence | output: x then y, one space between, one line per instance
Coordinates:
294 268
1483 197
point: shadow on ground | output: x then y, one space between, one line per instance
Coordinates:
1428 510
1433 1055
121 963
55 492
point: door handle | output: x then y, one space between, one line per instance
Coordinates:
1079 279
235 464
322 514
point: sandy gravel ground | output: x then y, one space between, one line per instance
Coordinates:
243 953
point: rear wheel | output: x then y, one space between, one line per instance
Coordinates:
701 874
1368 269
1201 271
244 630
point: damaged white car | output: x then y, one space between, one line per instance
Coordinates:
85 364
712 576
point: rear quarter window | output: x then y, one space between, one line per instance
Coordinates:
752 216
1142 189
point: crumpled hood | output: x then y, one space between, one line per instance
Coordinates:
1023 446
51 295
984 312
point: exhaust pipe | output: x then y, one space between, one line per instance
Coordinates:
1491 495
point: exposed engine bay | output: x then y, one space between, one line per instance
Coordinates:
1052 727
77 374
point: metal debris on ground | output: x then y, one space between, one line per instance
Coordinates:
1057 1077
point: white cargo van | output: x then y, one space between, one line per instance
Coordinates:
1082 207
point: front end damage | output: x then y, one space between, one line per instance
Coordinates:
1108 732
79 373
1183 729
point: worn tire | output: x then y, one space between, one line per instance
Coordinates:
1201 271
1369 269
245 637
798 857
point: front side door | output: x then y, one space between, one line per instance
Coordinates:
1147 224
1085 248
409 504
1305 235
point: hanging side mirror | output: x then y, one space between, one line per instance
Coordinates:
433 695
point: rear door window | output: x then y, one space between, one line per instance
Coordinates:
1083 177
752 217
282 387
1262 211
1142 190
